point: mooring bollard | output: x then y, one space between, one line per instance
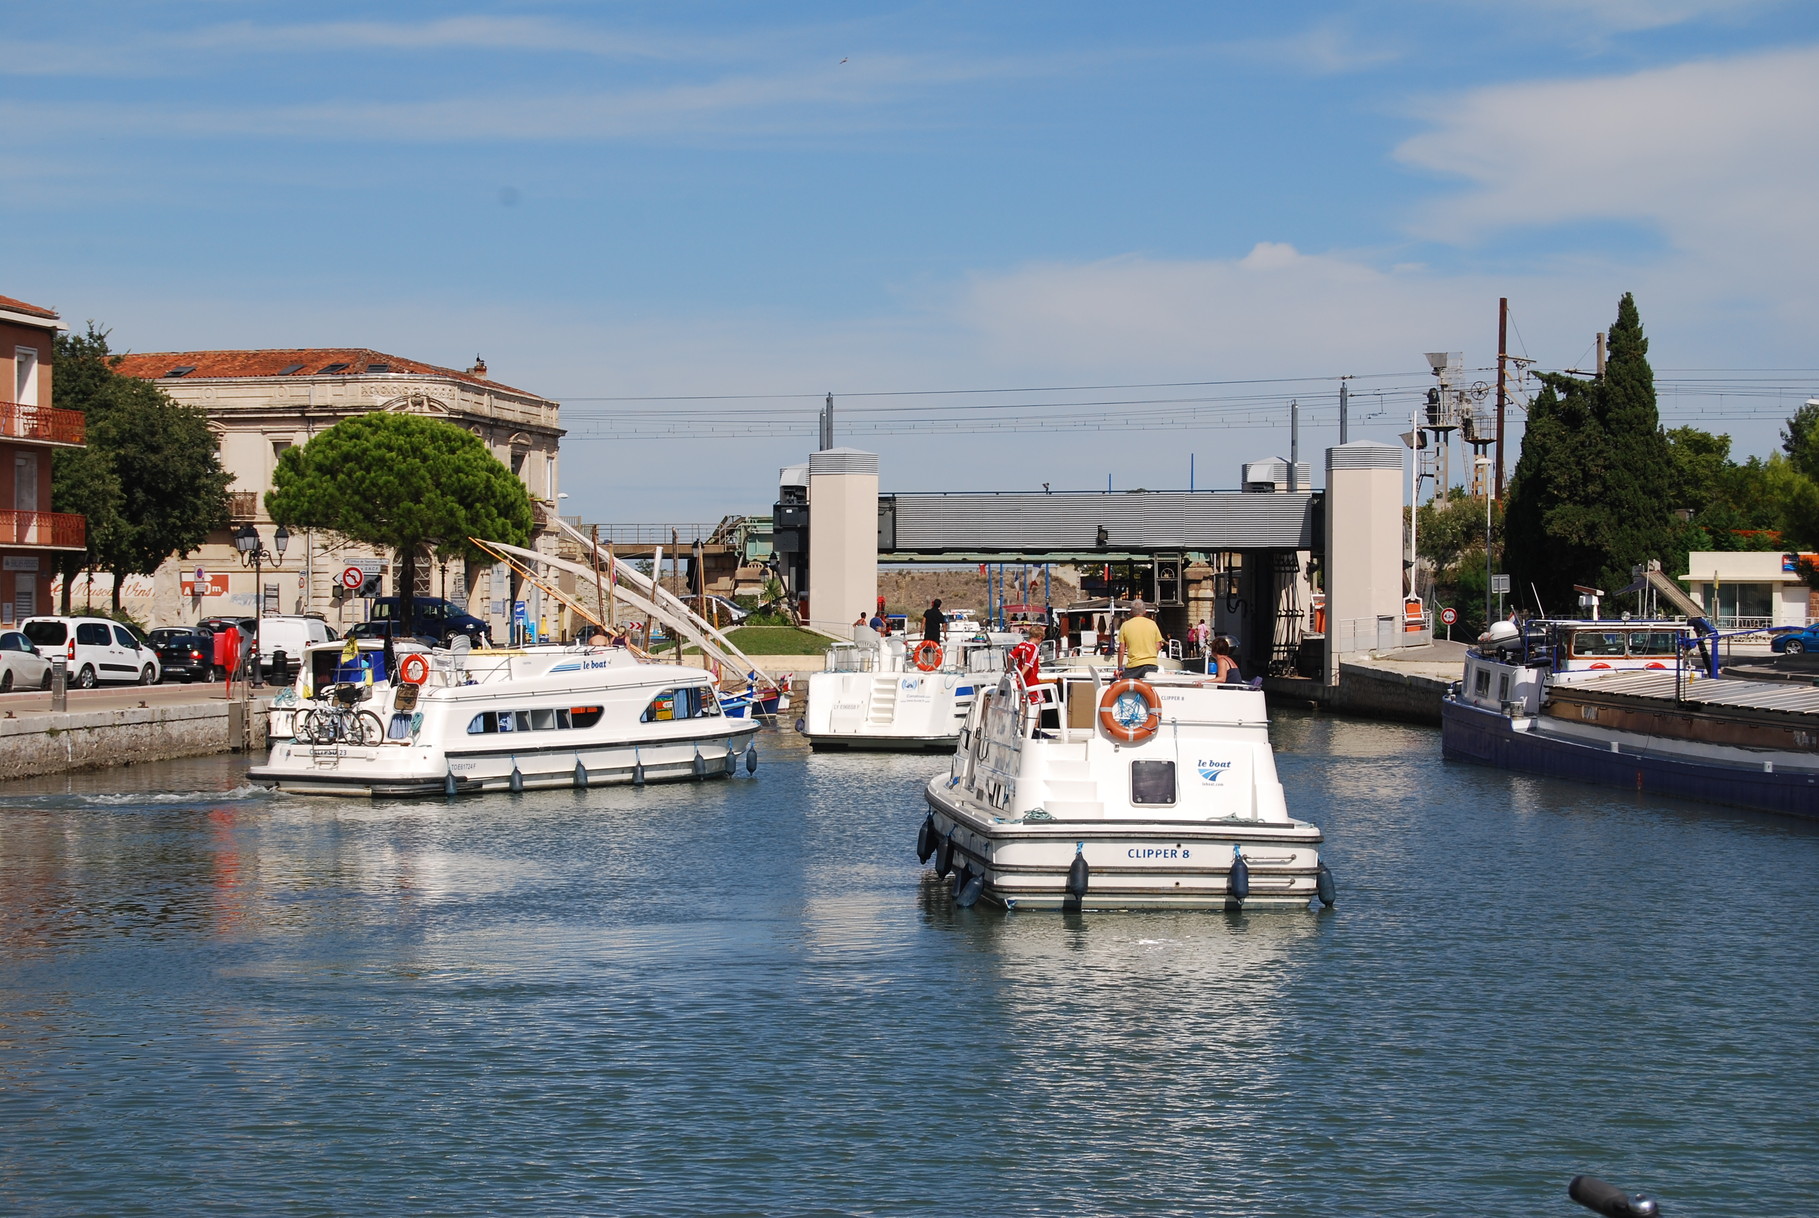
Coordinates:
59 683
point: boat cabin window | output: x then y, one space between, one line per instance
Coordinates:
1481 682
1152 782
559 719
688 702
1503 688
1663 644
1598 642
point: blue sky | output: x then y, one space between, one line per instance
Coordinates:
760 204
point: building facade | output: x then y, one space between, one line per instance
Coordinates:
260 403
31 429
1746 589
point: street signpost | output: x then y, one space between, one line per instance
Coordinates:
1448 616
1500 584
352 578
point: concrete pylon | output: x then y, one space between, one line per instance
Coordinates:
842 538
1363 549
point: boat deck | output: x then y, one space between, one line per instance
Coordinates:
1705 693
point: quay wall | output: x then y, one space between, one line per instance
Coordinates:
50 742
1377 691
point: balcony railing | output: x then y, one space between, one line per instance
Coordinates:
49 530
243 505
46 424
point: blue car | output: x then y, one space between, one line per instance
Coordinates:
1796 640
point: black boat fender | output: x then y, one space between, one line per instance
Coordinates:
1238 880
925 838
967 895
751 757
1079 875
1323 885
516 781
944 856
580 774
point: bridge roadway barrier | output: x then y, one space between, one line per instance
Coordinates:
1405 684
119 726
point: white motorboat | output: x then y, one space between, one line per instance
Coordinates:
891 694
1092 792
448 722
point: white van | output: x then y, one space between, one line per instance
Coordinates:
95 650
283 637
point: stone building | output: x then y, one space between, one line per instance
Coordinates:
31 535
260 403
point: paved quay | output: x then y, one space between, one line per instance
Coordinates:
1404 683
120 725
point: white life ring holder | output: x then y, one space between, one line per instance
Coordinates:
924 662
1108 719
413 669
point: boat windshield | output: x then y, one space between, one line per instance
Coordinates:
1661 643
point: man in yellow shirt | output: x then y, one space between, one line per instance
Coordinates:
1139 643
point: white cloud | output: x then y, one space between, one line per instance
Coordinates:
1616 16
1326 49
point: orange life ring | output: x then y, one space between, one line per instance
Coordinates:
413 669
922 657
1108 717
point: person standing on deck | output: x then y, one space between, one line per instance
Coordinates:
1139 644
1026 657
933 622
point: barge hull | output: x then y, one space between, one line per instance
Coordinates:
1487 737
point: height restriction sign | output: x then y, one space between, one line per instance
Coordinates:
352 577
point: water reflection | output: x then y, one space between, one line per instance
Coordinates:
746 996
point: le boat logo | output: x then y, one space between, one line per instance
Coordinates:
912 682
1210 770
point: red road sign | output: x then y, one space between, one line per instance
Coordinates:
352 577
1449 616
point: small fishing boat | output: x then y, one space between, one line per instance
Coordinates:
1086 791
892 694
422 721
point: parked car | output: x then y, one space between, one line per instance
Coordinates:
283 638
236 634
380 629
185 651
432 618
95 649
21 667
1797 641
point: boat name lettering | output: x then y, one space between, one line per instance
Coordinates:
1157 852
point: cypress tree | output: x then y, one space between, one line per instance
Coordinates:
1590 498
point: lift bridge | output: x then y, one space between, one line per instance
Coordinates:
1238 559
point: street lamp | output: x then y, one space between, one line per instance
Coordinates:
254 554
1484 472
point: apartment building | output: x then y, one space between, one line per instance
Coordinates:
31 429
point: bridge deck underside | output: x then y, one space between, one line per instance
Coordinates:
1091 526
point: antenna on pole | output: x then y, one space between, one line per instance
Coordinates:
1345 399
1503 346
1294 443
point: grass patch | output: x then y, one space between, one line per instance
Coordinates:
771 641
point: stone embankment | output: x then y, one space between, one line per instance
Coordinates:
109 727
1405 684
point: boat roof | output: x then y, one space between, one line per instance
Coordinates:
1708 693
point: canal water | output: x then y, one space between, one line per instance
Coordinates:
746 998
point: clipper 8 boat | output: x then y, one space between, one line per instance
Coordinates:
1092 792
448 722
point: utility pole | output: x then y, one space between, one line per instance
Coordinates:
827 424
1503 346
1344 403
1294 444
1600 355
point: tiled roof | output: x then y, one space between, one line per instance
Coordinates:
19 306
315 361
